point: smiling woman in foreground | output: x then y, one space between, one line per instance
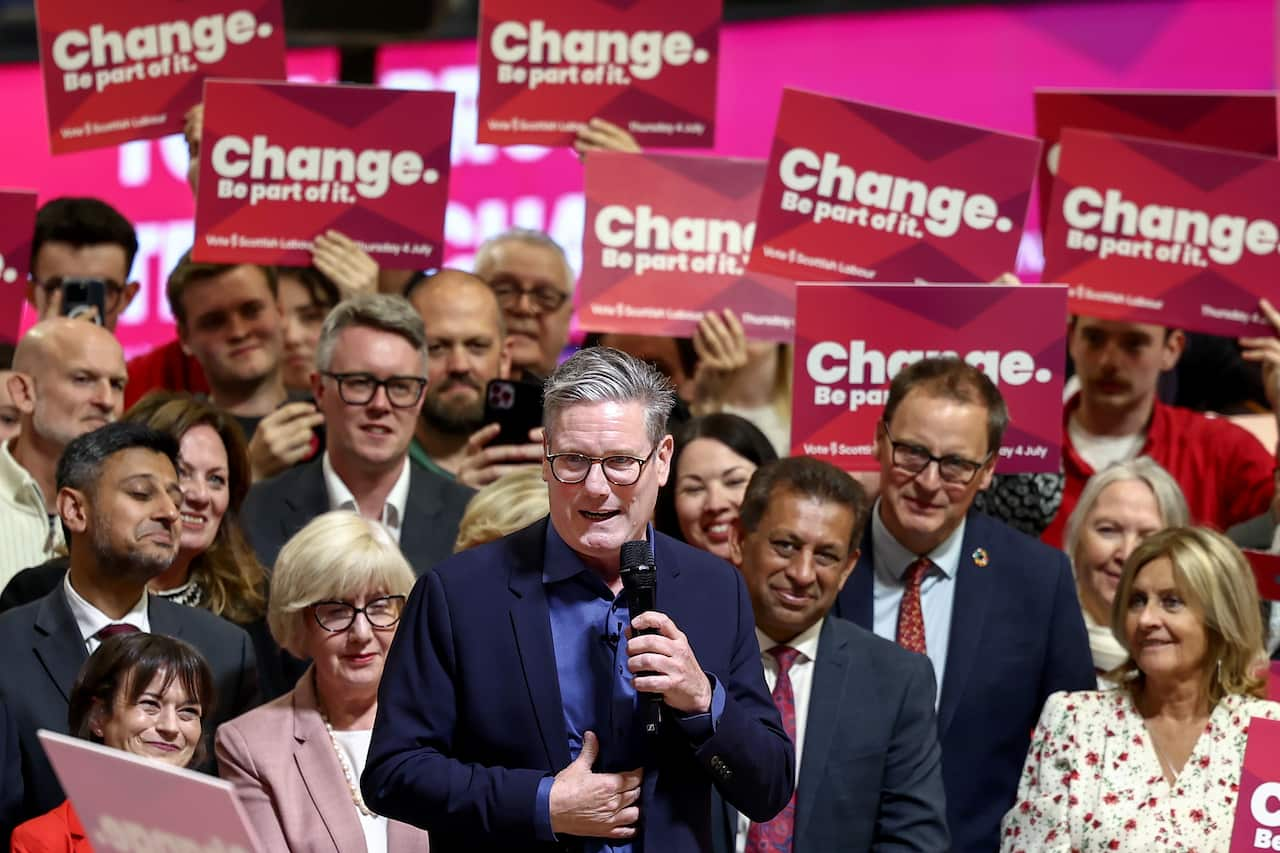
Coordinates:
1155 764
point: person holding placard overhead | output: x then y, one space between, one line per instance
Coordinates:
1154 765
145 694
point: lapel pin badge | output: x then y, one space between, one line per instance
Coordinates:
980 558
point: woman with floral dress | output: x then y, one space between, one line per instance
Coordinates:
1156 764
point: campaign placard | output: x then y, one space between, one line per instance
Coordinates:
667 239
17 223
130 69
852 339
855 192
1257 819
147 804
1235 121
284 162
1175 235
547 68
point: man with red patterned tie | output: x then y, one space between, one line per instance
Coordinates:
858 708
994 610
117 497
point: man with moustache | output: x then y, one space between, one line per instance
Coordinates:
118 498
994 610
371 366
466 347
1224 471
68 378
531 277
229 319
508 712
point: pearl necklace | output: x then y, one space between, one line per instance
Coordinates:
347 772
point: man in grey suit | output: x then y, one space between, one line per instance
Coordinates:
371 372
859 708
118 500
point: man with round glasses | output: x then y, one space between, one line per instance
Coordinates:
993 609
512 711
369 384
531 277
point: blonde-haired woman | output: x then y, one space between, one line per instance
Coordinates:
1155 764
337 591
513 501
1119 507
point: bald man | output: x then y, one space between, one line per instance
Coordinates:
466 347
68 379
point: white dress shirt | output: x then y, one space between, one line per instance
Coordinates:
355 746
937 591
340 497
801 675
90 620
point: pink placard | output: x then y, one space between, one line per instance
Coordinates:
1174 235
283 162
667 239
130 69
1257 820
127 803
852 339
548 67
855 192
17 222
1236 121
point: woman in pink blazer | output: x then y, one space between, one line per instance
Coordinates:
336 593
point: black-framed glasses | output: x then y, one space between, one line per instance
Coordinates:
544 297
913 459
113 291
337 616
571 468
357 389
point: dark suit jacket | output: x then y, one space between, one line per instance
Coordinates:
44 652
871 769
10 776
1256 533
1017 635
470 717
33 583
276 509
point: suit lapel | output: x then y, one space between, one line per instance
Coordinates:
826 705
321 773
402 838
421 508
856 601
531 622
57 641
968 617
310 499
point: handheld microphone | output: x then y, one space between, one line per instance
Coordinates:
640 580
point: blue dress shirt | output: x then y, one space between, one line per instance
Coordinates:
587 630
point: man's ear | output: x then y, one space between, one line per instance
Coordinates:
182 337
73 509
1175 343
22 388
504 360
737 542
848 570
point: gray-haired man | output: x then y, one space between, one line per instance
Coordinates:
371 373
508 715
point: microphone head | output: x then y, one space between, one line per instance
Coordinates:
636 564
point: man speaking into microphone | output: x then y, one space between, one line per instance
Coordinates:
513 708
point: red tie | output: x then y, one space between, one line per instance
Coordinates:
113 629
910 615
775 836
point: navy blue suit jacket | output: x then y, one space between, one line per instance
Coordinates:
470 718
1017 635
871 771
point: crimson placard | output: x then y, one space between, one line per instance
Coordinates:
1175 235
856 192
547 68
17 223
1236 121
284 162
852 339
667 239
130 69
1257 819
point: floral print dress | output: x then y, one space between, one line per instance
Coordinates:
1093 782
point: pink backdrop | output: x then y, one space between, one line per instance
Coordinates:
976 65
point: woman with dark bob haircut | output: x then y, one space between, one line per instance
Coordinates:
714 458
142 693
